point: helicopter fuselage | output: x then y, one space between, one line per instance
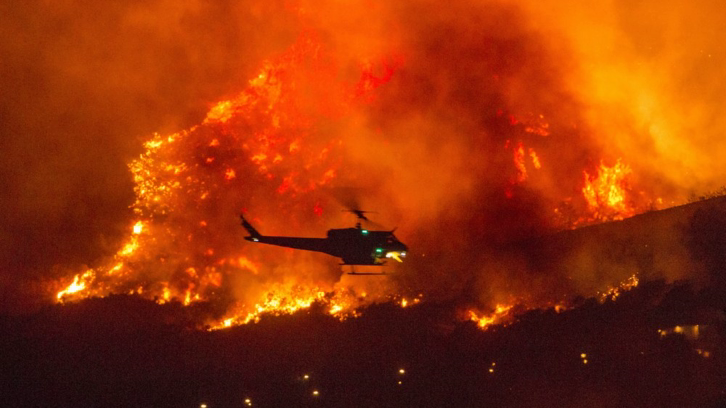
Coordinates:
355 246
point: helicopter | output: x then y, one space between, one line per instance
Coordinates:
355 246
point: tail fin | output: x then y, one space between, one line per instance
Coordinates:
250 229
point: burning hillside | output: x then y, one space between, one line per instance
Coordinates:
473 129
317 118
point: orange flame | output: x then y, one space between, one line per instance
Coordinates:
606 193
80 283
170 253
484 321
613 292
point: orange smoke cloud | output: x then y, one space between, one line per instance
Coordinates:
468 126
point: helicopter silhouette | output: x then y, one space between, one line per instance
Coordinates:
355 246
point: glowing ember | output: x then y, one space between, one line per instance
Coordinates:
535 159
519 162
519 157
615 291
691 332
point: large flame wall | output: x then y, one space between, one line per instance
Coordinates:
468 126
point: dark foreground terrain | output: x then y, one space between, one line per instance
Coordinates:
126 351
662 344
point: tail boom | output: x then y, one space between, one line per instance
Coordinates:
254 234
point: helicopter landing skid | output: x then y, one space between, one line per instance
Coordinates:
353 272
369 273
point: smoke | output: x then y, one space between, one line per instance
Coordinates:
82 86
477 86
610 80
466 126
651 79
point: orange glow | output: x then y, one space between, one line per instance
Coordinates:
79 283
276 302
519 162
613 292
116 268
129 248
484 321
606 192
166 295
292 134
220 112
535 159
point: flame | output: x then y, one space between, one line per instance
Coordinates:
79 283
505 313
613 292
606 192
187 185
280 301
177 182
484 321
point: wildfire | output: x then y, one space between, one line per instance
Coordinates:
612 293
521 162
484 321
172 253
262 148
606 192
504 314
79 283
286 301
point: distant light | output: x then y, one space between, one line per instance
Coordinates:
402 371
583 355
306 377
248 402
364 232
203 406
379 250
315 393
491 370
400 382
584 361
